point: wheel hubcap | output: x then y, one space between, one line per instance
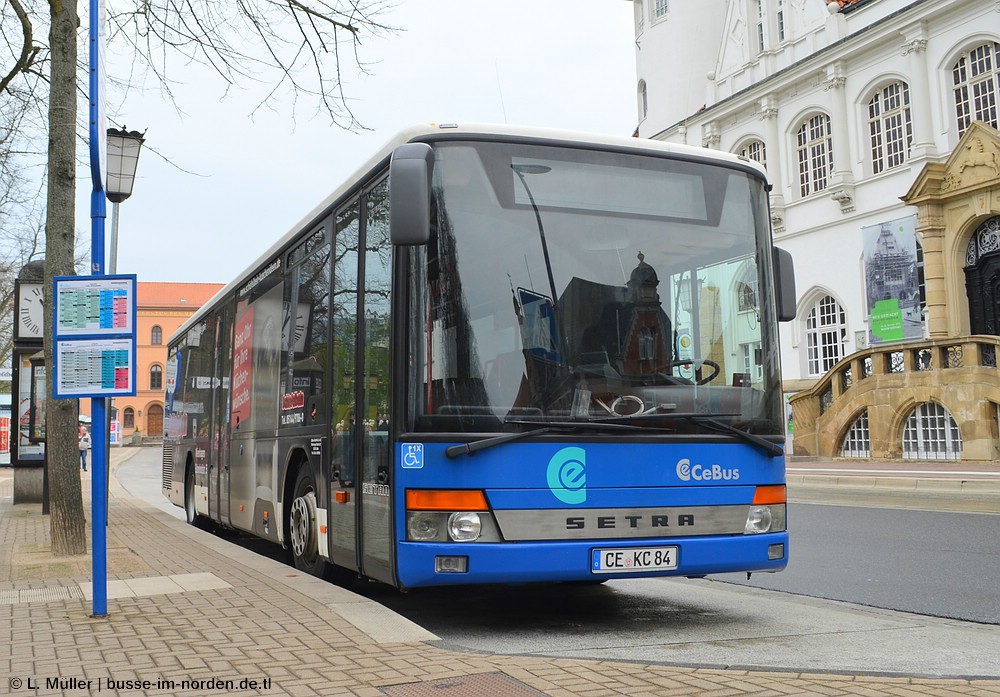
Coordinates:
303 515
189 500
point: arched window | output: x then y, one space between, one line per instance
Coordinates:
156 336
815 154
931 434
128 418
755 150
155 377
647 344
826 327
889 126
857 440
746 288
976 82
747 296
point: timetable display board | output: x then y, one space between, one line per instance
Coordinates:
94 305
94 352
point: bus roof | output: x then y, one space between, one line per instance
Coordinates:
448 130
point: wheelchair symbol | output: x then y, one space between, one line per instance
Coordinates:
413 455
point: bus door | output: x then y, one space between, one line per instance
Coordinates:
343 528
198 371
375 486
360 508
254 401
220 416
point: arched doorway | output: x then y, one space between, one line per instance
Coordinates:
154 420
982 278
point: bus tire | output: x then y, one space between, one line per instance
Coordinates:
190 513
302 526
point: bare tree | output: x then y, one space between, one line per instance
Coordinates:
21 214
285 47
280 46
66 525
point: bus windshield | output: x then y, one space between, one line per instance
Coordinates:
569 284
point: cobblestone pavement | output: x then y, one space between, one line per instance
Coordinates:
190 614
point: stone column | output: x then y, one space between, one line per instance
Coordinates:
915 46
841 186
931 228
774 147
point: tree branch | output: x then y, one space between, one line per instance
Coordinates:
28 51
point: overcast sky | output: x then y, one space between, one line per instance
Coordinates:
215 188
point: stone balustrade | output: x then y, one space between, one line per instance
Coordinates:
889 382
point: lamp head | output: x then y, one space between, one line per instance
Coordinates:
123 158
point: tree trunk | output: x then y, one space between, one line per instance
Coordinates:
67 524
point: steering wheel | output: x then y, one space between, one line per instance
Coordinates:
716 368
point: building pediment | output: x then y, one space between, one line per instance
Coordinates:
972 165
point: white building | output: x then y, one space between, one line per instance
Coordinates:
847 105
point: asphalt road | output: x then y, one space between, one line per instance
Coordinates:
866 555
929 562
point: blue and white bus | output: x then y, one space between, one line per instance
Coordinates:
500 355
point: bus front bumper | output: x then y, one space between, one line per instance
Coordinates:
437 564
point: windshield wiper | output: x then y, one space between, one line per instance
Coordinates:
771 449
711 422
616 424
453 451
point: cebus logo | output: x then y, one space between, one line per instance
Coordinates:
700 473
567 475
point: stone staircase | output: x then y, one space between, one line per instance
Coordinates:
888 382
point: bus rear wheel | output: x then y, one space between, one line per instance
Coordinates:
190 514
302 526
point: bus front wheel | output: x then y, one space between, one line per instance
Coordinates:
302 526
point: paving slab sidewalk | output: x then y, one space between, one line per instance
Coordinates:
192 614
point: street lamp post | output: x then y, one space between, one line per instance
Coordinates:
123 159
520 170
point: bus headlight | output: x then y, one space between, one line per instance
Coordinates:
464 526
769 518
423 526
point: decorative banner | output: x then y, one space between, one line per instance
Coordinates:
242 368
892 282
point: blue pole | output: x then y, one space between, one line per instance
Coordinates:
98 416
98 421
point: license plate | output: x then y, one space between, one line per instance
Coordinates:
625 559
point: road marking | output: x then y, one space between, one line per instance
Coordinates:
942 473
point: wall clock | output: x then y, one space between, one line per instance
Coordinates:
30 311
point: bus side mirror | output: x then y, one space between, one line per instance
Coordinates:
784 285
410 193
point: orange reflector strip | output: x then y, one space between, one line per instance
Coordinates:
265 515
445 500
241 506
769 494
322 529
342 496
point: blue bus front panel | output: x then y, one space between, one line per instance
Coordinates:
542 512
